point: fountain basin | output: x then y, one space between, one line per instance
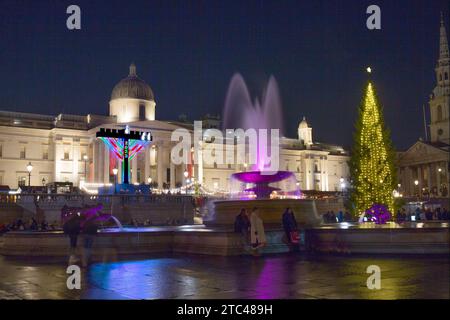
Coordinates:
270 211
112 244
261 182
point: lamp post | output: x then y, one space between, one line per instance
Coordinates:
29 168
186 174
115 179
85 158
416 183
342 184
43 182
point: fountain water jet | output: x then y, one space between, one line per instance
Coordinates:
256 188
240 112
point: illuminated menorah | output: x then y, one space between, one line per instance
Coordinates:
125 145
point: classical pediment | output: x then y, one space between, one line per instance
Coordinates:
422 152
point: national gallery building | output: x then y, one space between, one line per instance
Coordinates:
64 148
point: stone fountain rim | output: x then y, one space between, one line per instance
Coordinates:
243 201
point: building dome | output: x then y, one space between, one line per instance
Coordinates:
132 87
303 124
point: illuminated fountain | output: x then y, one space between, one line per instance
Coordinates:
271 192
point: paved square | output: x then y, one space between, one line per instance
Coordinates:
196 277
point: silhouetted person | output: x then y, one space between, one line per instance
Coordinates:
242 222
72 228
242 226
89 231
340 216
290 225
347 216
332 217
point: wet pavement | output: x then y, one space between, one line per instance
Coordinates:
285 276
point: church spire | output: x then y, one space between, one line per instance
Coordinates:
443 44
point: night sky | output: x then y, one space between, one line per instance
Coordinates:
188 50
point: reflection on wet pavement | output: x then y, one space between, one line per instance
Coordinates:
200 277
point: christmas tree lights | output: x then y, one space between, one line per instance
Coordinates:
372 160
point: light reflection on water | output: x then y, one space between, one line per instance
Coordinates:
272 277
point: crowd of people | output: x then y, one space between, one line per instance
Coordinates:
402 215
422 214
331 217
31 225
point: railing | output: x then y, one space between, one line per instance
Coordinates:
44 198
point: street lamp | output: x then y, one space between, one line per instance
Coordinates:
416 183
85 158
186 175
115 179
149 180
29 168
43 182
342 181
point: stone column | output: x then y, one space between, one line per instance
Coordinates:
200 164
430 184
119 171
134 167
322 174
172 175
147 164
58 152
75 161
99 167
160 165
408 182
105 164
95 161
305 168
438 179
312 174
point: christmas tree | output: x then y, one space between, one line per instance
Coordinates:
372 167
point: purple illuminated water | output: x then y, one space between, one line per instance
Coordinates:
240 112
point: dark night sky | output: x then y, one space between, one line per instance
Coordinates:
188 50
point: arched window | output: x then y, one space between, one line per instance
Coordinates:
439 113
440 76
446 76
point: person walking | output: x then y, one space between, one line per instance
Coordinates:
72 228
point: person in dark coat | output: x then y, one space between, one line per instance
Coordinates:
242 222
72 228
289 223
242 226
